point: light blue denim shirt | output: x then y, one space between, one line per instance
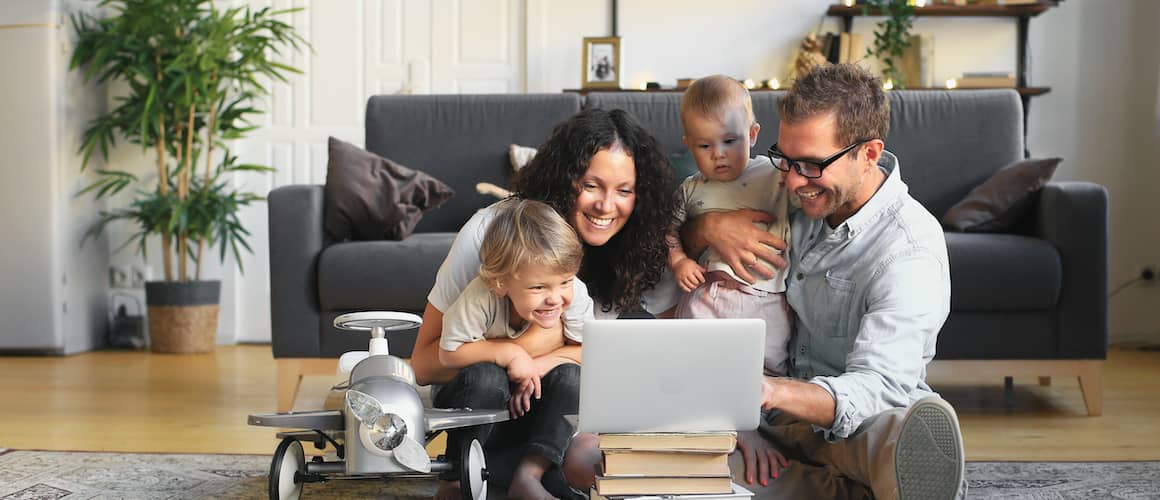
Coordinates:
870 297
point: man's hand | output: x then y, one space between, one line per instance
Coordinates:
762 461
689 274
738 241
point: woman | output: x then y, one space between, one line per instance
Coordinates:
608 178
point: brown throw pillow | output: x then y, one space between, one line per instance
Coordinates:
1004 200
369 197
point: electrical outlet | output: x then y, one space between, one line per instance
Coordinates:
138 275
119 277
1148 274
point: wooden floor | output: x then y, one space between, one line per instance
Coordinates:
136 401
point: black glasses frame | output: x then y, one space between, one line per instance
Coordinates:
773 153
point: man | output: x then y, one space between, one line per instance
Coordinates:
870 288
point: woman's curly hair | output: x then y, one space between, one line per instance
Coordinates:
633 260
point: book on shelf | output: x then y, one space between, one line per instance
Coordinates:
738 492
665 463
698 442
851 48
917 63
983 82
647 485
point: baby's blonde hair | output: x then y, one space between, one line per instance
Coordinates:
712 95
527 232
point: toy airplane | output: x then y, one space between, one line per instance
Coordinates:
382 429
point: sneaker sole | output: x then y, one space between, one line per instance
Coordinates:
928 458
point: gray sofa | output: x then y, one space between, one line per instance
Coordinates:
1021 304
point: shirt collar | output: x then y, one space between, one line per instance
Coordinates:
890 190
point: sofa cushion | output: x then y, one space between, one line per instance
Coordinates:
1002 272
369 197
1004 200
374 274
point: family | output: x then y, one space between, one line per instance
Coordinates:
818 237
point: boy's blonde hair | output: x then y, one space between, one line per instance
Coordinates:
527 232
712 95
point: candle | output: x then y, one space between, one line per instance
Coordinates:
774 84
888 84
951 83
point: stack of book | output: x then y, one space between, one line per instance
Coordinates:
985 79
667 464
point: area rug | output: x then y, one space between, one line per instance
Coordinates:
54 474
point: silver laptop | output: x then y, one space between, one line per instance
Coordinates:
671 375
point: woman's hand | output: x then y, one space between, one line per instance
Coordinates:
762 461
738 241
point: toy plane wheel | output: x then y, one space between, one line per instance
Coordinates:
473 473
286 470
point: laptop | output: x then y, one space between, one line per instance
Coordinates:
671 375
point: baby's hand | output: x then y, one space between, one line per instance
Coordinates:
689 274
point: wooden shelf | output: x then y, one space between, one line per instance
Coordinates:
940 10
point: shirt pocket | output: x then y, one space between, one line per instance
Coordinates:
839 292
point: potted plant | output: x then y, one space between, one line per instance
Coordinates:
190 72
891 37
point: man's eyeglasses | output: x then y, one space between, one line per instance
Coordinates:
810 169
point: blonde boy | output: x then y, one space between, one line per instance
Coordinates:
720 129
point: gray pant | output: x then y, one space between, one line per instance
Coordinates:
860 466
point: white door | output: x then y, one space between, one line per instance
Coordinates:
360 48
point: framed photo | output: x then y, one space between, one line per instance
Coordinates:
601 62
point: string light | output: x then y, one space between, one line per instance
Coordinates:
749 83
952 83
888 84
774 84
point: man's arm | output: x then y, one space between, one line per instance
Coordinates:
804 401
737 241
906 306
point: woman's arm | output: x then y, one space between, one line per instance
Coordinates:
737 241
425 355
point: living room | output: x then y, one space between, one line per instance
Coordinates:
1079 49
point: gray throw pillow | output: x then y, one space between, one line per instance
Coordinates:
369 197
1004 200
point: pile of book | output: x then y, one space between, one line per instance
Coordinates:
672 465
985 79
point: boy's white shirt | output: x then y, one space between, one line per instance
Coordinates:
480 313
758 188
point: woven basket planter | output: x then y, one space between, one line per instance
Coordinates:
183 316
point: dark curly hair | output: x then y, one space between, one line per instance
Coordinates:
633 260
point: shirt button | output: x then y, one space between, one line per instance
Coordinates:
799 276
803 348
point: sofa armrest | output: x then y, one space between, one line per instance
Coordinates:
1073 216
296 240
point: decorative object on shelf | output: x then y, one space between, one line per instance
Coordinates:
809 57
190 72
891 37
601 67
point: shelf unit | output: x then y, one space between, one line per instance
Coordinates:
1022 14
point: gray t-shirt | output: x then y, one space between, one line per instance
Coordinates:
462 265
480 313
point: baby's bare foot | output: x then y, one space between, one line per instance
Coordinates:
448 490
528 487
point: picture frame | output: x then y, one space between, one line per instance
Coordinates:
601 62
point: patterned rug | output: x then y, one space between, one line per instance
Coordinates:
52 475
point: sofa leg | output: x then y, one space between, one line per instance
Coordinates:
1091 383
1045 381
290 373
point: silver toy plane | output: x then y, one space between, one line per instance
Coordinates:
382 429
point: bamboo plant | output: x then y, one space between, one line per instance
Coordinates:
191 72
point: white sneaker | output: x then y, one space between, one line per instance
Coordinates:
928 458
